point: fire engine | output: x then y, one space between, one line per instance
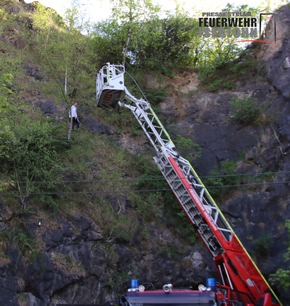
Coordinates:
241 283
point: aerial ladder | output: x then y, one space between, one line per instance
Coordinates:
241 281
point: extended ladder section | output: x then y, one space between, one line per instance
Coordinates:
235 266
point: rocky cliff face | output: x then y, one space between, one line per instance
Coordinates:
260 210
77 264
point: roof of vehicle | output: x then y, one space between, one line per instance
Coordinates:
174 297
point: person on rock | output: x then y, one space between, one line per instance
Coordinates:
73 116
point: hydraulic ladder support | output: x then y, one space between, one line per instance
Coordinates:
234 264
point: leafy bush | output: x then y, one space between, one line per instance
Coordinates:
244 111
262 245
217 78
155 96
220 84
187 147
31 159
224 75
222 180
244 66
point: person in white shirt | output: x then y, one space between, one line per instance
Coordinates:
73 116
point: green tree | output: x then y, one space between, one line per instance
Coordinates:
138 36
108 42
282 276
168 42
121 35
64 51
